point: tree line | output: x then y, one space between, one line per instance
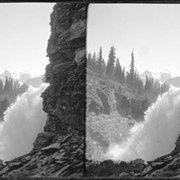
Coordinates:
9 90
112 69
115 71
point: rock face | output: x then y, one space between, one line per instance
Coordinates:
164 166
108 168
64 99
59 150
99 98
105 96
62 158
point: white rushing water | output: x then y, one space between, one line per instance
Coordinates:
22 122
156 136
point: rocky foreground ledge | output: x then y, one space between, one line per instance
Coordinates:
165 166
52 156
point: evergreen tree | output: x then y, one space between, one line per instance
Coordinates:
147 86
110 63
130 76
7 85
132 66
138 83
9 92
100 62
123 76
117 71
118 74
89 60
1 87
103 66
145 104
100 59
94 61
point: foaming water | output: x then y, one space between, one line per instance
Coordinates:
156 136
22 122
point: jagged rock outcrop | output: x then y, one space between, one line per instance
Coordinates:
64 100
108 168
177 144
164 166
99 99
100 96
59 150
63 158
105 96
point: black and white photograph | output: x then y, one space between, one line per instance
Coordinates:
42 89
89 90
133 95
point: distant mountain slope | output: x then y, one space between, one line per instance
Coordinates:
163 76
35 82
7 74
23 77
149 74
174 81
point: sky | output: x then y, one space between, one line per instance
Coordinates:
152 31
24 32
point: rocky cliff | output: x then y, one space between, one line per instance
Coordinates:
59 150
100 96
105 96
64 100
